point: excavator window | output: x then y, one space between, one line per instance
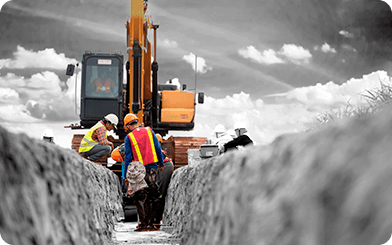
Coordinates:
102 81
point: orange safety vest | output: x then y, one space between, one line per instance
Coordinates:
142 144
103 86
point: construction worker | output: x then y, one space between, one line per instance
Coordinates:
163 180
242 139
103 86
221 137
142 145
48 136
95 144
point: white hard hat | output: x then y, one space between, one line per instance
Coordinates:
219 129
48 133
112 118
239 125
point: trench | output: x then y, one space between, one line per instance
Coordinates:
330 185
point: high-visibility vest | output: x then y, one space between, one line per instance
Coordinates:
103 86
87 142
142 144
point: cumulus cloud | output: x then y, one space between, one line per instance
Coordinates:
8 95
166 43
43 95
47 58
297 112
296 54
288 53
332 95
326 48
264 121
266 57
202 66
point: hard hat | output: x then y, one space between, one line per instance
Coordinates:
112 118
130 118
118 153
159 137
48 133
116 156
239 125
219 129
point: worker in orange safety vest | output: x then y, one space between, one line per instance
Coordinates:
103 85
142 145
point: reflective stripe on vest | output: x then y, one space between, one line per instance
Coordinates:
143 148
87 142
103 86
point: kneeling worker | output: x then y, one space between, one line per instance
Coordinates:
95 144
142 145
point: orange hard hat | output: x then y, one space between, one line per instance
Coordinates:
130 118
116 156
159 137
118 153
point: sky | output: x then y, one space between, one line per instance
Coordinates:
273 64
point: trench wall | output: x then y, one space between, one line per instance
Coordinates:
50 195
328 186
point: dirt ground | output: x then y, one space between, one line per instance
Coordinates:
124 234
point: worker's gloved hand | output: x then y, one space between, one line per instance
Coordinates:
161 168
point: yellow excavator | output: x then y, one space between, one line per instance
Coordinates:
162 107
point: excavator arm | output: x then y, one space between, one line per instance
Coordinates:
139 57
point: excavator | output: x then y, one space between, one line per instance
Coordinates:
163 107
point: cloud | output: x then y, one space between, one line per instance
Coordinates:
266 57
264 121
288 53
39 97
296 54
332 95
346 34
43 95
327 49
202 66
166 43
47 59
8 95
298 111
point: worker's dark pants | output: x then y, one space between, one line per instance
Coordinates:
142 206
97 152
163 180
152 193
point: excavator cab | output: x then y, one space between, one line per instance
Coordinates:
101 87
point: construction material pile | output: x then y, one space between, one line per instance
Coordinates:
331 185
50 195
